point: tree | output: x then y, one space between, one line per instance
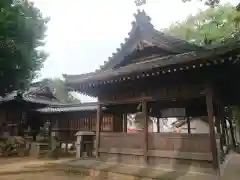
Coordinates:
213 25
211 3
22 29
61 92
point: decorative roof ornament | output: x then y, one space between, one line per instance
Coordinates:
142 35
142 20
140 2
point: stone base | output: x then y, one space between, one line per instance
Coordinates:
36 147
104 170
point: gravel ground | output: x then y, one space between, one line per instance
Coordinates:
40 176
12 169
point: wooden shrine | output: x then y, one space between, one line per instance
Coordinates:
67 119
16 108
25 113
150 72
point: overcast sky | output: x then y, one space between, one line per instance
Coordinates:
82 34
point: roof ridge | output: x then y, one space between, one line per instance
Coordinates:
122 46
175 38
143 28
74 105
141 18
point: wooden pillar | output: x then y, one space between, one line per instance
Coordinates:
209 103
231 126
223 131
89 122
66 146
69 130
189 125
217 120
225 127
232 133
54 126
145 139
158 125
237 133
218 125
124 122
98 125
50 131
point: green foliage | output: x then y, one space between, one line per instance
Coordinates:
211 3
214 25
236 114
22 29
61 91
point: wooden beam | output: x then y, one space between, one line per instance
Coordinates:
124 122
231 127
158 153
222 122
218 125
50 132
150 99
209 104
98 125
145 139
88 123
189 125
158 125
181 155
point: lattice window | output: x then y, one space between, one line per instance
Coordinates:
107 123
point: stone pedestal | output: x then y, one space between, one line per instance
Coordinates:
84 138
34 149
53 141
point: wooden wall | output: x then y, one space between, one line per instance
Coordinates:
2 115
163 148
67 126
11 116
153 93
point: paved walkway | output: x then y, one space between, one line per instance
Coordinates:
232 168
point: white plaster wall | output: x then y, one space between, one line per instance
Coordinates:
166 125
197 127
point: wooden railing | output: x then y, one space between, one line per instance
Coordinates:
160 145
179 142
121 140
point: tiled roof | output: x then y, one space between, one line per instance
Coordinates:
10 96
157 62
132 68
143 30
41 100
180 122
180 52
31 96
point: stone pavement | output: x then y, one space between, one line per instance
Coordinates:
232 168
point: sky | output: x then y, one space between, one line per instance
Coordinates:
82 34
